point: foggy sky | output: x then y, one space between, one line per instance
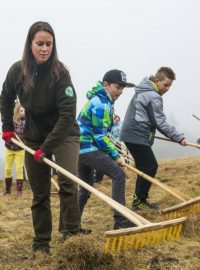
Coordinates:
136 36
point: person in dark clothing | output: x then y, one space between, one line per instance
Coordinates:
144 115
44 88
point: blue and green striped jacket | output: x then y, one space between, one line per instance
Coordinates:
95 121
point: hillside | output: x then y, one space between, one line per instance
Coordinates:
86 252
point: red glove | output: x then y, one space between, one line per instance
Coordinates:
39 155
7 135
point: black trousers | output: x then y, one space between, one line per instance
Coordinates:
39 174
145 161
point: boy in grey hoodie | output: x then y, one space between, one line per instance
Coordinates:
144 115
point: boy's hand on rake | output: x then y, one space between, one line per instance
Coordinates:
183 142
121 162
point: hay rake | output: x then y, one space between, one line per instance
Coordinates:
188 207
146 234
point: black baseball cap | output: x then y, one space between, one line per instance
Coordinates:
117 76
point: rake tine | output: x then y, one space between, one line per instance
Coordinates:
144 236
147 227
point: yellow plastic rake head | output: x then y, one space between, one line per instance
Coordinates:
189 208
143 236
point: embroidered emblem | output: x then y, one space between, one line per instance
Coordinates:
123 76
69 91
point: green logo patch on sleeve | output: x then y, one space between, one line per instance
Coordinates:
69 91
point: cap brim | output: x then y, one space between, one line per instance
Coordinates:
128 85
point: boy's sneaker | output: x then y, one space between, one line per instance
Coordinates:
142 205
85 231
123 224
162 180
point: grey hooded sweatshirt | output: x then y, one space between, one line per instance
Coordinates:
144 115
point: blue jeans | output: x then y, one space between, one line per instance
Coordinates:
100 161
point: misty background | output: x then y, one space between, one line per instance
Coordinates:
138 37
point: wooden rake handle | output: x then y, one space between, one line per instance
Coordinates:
169 140
132 216
197 117
170 190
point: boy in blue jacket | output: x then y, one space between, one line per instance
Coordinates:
96 150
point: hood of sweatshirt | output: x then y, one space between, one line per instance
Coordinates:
98 90
146 85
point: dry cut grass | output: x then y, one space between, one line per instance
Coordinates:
87 252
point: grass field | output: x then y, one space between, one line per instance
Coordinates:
87 252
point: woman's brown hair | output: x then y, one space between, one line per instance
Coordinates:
28 63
